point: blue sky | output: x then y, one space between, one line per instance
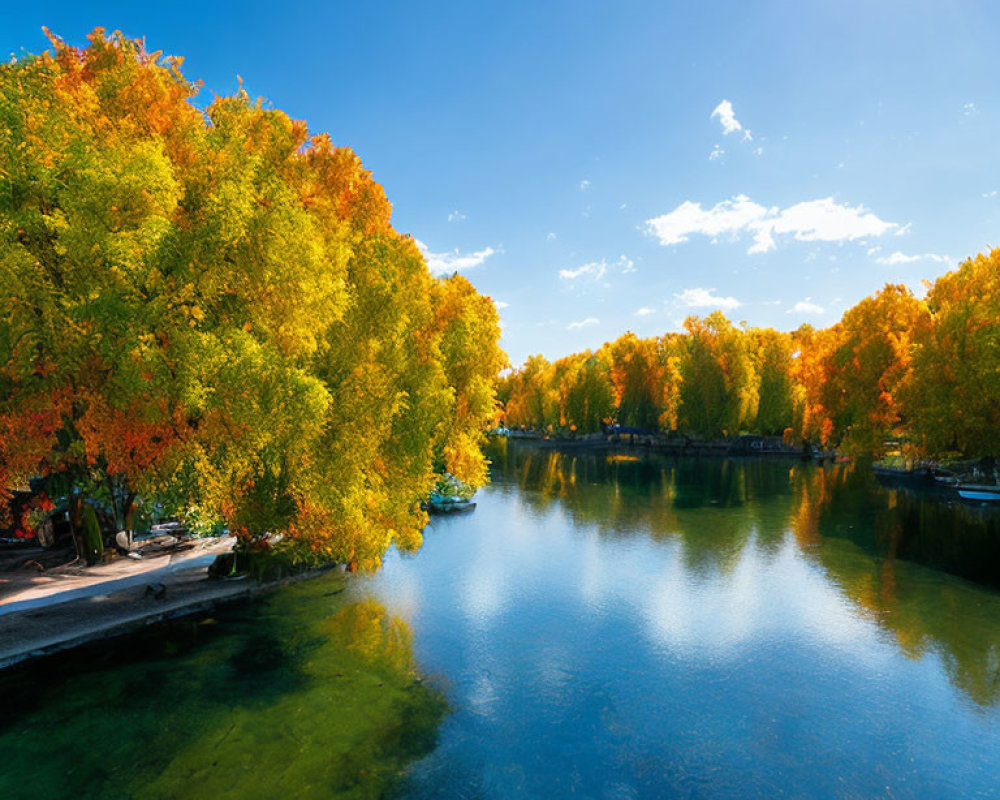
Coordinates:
599 167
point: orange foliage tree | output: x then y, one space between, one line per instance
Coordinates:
210 309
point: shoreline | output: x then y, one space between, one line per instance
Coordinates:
71 610
679 448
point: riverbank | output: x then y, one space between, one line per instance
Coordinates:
671 444
45 613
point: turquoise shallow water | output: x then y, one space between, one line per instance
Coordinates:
612 626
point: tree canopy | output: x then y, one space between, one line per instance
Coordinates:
894 369
210 309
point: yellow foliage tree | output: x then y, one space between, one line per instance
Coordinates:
211 309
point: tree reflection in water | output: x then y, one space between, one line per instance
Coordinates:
885 550
303 695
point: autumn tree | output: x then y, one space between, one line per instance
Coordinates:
531 402
470 328
211 309
637 374
953 396
866 361
719 392
589 397
772 353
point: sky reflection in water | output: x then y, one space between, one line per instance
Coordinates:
601 626
624 629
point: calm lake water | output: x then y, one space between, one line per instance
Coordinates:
602 625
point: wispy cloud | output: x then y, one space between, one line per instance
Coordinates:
703 298
805 307
969 109
811 221
717 152
455 216
584 185
551 237
727 118
593 269
447 263
626 264
645 311
902 258
501 304
583 323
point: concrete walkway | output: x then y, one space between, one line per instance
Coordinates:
45 613
24 590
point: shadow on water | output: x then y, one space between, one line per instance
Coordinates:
885 550
301 695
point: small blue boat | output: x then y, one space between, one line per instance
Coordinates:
983 493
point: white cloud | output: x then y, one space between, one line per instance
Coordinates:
703 298
584 185
627 264
644 312
592 269
456 216
805 307
583 323
447 263
727 118
902 258
729 216
811 221
990 194
501 304
717 152
551 237
969 109
595 270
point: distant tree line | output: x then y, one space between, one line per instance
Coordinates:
925 373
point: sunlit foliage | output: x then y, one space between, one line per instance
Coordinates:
865 362
895 371
955 386
212 309
719 392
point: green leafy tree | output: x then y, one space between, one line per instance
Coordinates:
211 309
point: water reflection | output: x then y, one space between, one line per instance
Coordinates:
303 695
632 627
898 530
882 549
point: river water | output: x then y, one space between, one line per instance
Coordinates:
602 625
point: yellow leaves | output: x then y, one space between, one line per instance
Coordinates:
464 459
229 289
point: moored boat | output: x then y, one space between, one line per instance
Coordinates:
945 477
448 504
983 493
920 476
